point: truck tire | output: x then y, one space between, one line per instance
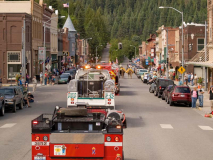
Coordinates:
14 107
123 156
2 110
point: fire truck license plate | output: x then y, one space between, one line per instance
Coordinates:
40 143
39 158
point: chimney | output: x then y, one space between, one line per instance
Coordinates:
41 2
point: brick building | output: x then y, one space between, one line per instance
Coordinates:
11 44
194 38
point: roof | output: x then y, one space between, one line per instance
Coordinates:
68 24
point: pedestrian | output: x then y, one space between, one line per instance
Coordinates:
200 95
173 75
194 94
19 81
50 77
192 79
189 78
34 83
53 79
45 78
211 98
186 78
195 80
41 78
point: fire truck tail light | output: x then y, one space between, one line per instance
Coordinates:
109 102
35 122
118 127
72 99
109 99
117 139
37 138
118 157
45 138
108 139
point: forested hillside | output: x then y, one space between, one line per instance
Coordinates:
125 18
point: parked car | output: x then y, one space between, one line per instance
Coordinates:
2 107
63 78
179 94
144 74
166 91
161 84
13 97
72 73
141 72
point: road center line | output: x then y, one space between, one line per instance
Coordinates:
166 126
9 125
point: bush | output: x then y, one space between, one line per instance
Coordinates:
200 80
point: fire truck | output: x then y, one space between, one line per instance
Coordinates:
78 134
91 87
114 72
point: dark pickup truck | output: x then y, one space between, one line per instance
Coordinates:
161 85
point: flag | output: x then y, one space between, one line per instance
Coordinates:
66 5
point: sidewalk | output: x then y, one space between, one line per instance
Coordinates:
206 102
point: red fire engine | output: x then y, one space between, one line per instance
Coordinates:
78 133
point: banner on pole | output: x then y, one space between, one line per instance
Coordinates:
41 52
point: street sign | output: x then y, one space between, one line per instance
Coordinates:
181 70
48 66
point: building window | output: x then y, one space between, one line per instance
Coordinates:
200 44
13 64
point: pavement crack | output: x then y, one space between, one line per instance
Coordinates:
25 154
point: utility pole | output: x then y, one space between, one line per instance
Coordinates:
167 50
44 54
23 52
205 68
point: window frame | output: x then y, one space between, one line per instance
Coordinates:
200 44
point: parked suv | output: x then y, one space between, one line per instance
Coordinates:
161 84
2 109
166 92
180 94
13 96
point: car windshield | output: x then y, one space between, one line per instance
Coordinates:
6 91
165 83
64 76
182 90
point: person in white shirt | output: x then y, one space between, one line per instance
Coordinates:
195 80
192 79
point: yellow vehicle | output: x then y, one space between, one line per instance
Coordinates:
142 75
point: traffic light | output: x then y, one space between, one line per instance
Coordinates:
120 45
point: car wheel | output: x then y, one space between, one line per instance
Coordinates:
2 110
162 97
159 95
21 106
14 107
171 103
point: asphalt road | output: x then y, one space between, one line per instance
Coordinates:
105 55
155 130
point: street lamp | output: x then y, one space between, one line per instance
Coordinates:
45 44
96 58
135 49
161 7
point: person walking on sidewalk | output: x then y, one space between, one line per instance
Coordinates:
192 79
195 80
200 95
186 78
41 78
211 98
194 97
189 77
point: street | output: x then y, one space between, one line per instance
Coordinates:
154 129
